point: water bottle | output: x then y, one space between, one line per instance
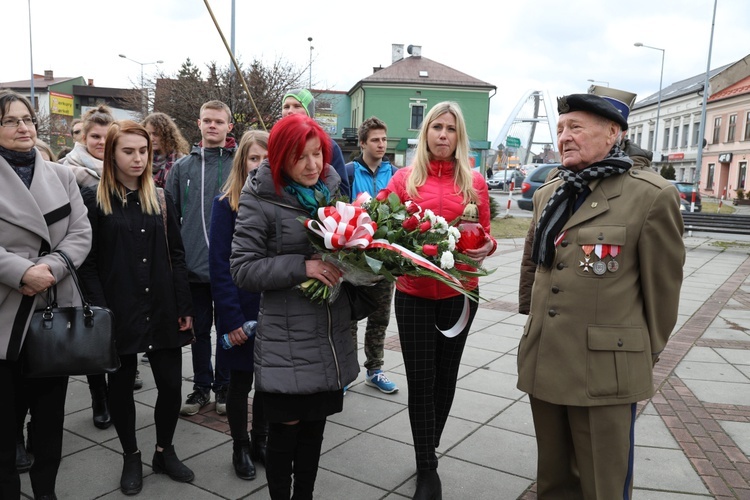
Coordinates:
248 328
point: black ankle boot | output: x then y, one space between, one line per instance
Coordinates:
131 480
98 389
29 439
24 461
102 419
167 462
259 444
428 486
243 464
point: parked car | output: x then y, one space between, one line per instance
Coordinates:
686 195
533 180
503 178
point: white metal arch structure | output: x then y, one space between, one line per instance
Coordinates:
534 108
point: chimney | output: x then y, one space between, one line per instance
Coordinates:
397 52
91 82
375 69
414 50
48 75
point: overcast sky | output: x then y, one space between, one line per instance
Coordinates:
549 45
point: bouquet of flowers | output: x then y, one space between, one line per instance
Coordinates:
383 238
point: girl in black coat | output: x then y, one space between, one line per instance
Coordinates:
137 268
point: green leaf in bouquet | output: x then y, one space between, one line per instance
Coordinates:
394 201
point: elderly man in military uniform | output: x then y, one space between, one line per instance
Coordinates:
607 257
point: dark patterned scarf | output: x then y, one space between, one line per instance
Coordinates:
22 163
560 206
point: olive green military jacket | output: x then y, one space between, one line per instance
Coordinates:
606 307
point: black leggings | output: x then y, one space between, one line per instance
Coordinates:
431 360
293 449
240 383
45 398
166 365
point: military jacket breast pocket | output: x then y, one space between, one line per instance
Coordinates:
599 251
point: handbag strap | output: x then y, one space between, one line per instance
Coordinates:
74 276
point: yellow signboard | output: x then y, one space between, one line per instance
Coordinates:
60 104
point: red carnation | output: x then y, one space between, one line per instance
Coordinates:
382 195
411 223
425 226
430 250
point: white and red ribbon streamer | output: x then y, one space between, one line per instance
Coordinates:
343 226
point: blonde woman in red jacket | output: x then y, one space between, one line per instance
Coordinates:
441 179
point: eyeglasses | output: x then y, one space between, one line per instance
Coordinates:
16 122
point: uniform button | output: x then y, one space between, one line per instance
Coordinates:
146 290
144 260
555 289
564 243
560 265
143 230
619 343
148 318
552 313
150 347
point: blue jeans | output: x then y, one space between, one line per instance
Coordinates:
204 376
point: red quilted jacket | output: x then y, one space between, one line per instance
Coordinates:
439 194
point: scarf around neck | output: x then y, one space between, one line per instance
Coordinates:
307 196
559 207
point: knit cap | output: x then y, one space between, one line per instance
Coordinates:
305 98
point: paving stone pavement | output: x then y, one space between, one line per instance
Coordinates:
692 437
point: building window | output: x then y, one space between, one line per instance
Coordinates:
747 126
717 130
666 138
710 179
417 115
732 126
650 140
742 176
685 134
639 138
676 132
696 132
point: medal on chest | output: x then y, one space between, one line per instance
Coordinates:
599 267
613 265
586 262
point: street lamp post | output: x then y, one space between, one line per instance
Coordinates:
658 105
144 108
598 81
309 39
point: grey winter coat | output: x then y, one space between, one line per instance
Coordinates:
300 347
193 189
48 216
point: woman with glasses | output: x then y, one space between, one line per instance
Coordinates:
41 211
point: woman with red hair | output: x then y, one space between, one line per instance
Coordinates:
304 354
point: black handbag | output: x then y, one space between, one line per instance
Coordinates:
62 341
361 302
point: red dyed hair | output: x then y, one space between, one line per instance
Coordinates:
287 141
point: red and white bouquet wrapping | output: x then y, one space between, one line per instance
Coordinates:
383 238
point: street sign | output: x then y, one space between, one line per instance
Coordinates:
513 142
